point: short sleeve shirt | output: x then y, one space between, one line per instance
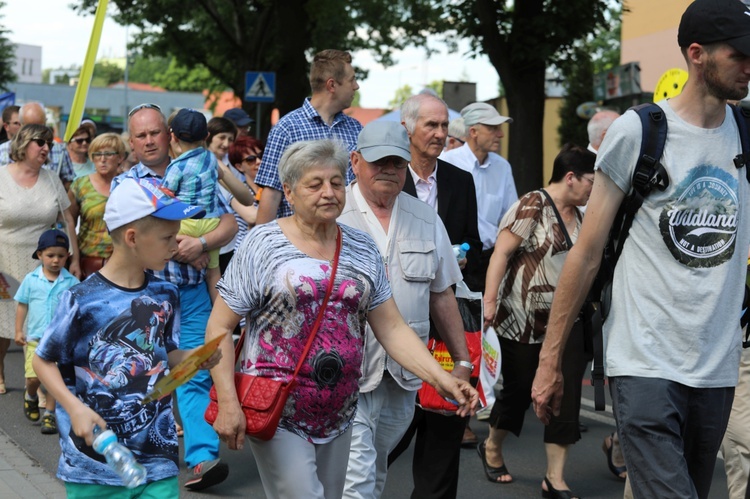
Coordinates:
111 346
303 124
42 297
279 290
531 276
93 236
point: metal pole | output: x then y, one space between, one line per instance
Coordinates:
257 120
127 67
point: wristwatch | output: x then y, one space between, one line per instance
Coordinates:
465 363
204 243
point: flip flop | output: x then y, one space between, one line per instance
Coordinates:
616 470
492 472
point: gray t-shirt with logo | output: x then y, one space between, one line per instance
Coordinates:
679 284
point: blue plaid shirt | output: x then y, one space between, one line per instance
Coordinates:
58 152
194 178
179 274
302 124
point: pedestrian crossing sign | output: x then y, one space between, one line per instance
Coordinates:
260 86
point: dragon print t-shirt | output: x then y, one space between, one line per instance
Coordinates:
280 289
679 283
111 345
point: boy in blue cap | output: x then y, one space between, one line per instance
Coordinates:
113 337
37 299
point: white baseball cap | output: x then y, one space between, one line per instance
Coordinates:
136 198
483 114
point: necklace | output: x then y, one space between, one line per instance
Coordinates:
309 241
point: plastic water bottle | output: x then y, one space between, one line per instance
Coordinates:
459 250
119 458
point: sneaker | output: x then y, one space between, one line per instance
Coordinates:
30 408
49 424
207 474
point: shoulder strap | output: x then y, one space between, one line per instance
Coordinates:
319 318
560 221
742 117
648 174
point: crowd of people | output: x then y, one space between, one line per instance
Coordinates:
329 250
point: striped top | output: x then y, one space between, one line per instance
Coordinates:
278 289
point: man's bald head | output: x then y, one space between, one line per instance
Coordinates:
32 113
598 125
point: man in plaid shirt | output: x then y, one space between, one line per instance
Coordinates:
333 84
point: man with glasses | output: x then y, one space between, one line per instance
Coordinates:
421 269
456 134
321 116
32 113
493 178
149 140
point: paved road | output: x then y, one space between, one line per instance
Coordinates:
586 471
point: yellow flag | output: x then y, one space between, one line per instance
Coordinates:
87 71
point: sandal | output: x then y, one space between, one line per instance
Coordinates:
493 473
619 471
31 408
553 493
469 440
3 390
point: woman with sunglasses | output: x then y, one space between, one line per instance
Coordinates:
78 150
245 155
32 200
88 196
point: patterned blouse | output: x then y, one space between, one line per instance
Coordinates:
93 237
279 290
531 276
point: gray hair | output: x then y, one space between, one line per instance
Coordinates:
457 128
301 156
598 125
410 109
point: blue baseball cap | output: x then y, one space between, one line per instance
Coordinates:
51 238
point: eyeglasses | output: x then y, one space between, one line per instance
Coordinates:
80 141
397 163
106 155
42 142
591 180
457 139
143 106
253 158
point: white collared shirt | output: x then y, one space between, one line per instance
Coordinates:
426 189
496 189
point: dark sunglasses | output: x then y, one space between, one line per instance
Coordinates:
253 158
42 142
81 141
143 106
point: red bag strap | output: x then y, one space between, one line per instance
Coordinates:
318 320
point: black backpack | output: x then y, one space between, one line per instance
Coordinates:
649 174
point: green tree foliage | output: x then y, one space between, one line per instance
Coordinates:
599 52
106 73
183 79
521 40
230 38
402 93
7 56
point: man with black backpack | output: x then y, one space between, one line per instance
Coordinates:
673 330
